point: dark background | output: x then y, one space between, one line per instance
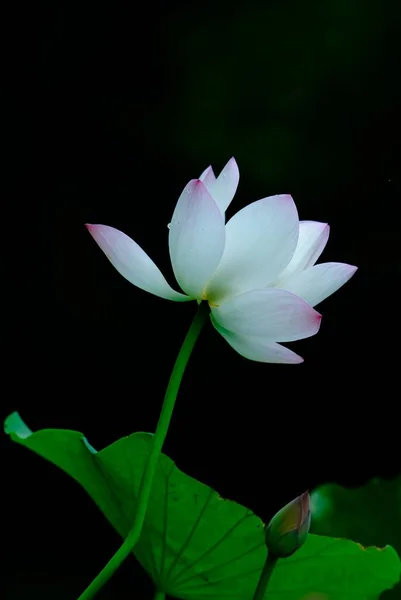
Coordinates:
113 109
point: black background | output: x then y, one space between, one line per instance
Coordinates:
114 108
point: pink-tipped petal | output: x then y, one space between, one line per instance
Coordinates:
196 238
260 241
132 262
312 240
208 177
257 348
272 314
223 187
320 281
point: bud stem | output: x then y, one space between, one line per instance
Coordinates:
264 579
158 440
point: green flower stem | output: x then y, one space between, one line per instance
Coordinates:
260 592
159 595
158 440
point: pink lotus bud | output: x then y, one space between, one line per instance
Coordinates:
288 529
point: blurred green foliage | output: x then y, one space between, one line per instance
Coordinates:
370 515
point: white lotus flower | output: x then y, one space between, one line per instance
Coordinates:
257 272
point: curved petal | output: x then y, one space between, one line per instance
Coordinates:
312 240
257 348
260 241
208 177
196 238
223 187
318 282
132 262
272 314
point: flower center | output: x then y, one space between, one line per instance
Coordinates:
204 297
